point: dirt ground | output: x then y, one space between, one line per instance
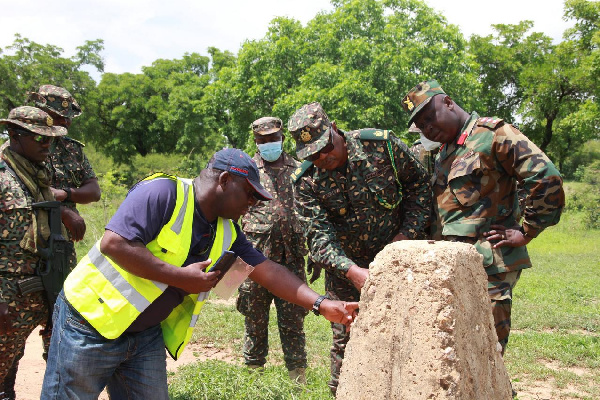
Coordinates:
31 368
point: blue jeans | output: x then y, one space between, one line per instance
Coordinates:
81 362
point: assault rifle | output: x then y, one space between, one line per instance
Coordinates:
54 266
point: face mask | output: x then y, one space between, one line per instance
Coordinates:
270 151
428 144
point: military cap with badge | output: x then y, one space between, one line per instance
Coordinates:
57 100
311 129
419 96
32 121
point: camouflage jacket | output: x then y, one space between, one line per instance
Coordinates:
350 215
425 157
475 185
15 218
70 165
273 226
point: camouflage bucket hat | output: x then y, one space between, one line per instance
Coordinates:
266 126
57 100
34 120
310 128
420 96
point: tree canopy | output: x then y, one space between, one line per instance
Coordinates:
358 60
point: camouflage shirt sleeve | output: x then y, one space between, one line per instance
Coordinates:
323 244
539 178
416 191
70 164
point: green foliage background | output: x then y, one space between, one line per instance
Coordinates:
358 60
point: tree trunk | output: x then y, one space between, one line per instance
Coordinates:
547 134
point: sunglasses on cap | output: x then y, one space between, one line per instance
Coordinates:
326 149
36 137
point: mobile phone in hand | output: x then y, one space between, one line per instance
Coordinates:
223 263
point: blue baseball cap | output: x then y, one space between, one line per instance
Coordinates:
239 163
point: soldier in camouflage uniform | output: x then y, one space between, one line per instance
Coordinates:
356 192
74 179
274 229
475 189
23 180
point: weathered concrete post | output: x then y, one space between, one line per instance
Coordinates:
425 328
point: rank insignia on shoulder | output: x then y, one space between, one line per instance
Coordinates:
300 170
489 122
74 141
374 134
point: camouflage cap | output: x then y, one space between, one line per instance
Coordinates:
57 100
266 126
310 128
419 96
34 120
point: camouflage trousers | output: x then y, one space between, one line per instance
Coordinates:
500 287
27 312
254 302
338 289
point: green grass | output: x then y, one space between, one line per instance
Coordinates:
555 341
223 381
556 313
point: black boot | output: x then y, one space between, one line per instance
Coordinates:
7 389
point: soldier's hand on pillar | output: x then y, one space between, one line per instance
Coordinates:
340 312
399 237
357 275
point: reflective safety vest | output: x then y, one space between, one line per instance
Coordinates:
110 298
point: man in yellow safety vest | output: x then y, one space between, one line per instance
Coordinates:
128 298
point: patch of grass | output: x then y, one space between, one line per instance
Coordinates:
217 380
561 290
556 317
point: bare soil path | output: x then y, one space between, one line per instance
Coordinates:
31 368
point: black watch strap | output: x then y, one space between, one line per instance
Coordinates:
317 305
68 191
522 230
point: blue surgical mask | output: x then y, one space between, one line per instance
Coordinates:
270 151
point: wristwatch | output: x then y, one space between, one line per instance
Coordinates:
315 307
68 192
522 230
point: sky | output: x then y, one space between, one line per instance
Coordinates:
138 32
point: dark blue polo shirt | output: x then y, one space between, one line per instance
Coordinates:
146 209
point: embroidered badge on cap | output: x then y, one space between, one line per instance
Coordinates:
305 136
409 103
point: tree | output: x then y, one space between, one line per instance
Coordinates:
156 111
548 88
357 60
26 65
